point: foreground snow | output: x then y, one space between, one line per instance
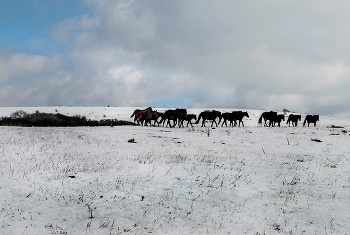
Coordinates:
251 180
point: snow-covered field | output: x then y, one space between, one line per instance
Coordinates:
247 180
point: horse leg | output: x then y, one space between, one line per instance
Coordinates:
225 121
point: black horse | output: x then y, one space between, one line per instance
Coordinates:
160 115
209 115
225 117
182 116
188 118
311 119
270 116
280 117
294 119
238 116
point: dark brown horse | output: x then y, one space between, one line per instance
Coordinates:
153 115
294 119
141 114
174 115
209 115
311 119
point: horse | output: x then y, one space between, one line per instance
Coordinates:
209 115
271 116
182 116
311 119
188 118
141 114
153 115
160 115
136 114
280 117
294 119
225 117
174 115
238 116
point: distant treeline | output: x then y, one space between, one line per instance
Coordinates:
38 119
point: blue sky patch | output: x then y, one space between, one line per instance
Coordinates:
25 25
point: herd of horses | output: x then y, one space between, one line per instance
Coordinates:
274 118
178 116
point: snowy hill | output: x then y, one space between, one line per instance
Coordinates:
251 180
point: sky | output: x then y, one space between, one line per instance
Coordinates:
266 55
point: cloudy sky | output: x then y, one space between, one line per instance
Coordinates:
227 54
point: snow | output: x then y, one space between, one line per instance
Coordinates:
238 180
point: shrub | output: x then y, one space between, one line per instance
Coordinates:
19 114
21 118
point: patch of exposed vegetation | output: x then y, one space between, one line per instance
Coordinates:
38 119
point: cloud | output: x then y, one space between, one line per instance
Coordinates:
22 64
240 54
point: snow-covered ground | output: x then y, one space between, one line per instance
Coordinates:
241 180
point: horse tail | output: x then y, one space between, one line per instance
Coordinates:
132 114
199 118
260 119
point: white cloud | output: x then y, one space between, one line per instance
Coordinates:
220 54
22 64
129 76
